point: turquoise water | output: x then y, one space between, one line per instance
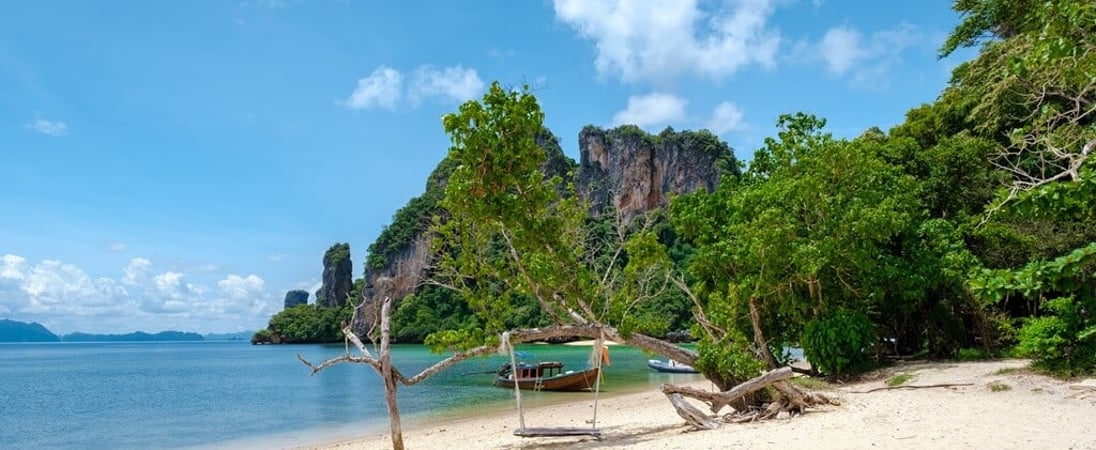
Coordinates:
230 394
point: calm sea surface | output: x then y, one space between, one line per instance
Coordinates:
232 394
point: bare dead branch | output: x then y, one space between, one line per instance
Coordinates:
912 386
316 368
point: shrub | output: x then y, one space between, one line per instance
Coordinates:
840 343
1063 342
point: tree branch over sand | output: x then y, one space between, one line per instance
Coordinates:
912 386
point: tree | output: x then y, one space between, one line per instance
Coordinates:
1035 89
797 252
507 234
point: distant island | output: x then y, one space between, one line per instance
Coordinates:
238 336
16 331
138 336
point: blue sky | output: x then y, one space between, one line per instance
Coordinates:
182 164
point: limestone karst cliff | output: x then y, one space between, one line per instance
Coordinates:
624 168
294 298
633 171
337 276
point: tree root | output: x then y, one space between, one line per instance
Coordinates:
788 400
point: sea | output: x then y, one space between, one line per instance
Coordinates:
230 394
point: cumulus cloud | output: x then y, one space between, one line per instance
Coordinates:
651 109
866 60
657 40
143 296
237 287
53 286
12 267
450 83
48 127
136 271
840 48
382 88
726 117
385 87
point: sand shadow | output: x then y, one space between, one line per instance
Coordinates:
609 438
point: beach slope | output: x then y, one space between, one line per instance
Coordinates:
1004 406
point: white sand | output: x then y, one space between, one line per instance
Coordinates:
1035 413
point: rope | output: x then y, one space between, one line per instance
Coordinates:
505 345
599 348
514 375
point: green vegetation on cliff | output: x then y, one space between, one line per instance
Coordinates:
305 324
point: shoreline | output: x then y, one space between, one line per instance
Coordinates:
1031 411
538 408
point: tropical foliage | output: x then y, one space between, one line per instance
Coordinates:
968 228
305 324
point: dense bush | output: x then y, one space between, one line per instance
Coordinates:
305 324
840 343
1063 342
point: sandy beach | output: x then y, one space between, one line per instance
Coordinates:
1024 411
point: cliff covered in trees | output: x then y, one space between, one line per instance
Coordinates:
300 322
623 172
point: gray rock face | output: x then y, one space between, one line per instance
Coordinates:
337 276
295 297
632 171
625 168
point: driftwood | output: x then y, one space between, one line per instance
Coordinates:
692 416
912 386
787 398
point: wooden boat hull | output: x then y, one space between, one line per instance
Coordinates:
663 366
574 381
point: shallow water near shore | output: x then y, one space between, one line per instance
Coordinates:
218 394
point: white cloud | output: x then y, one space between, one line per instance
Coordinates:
450 83
651 109
657 40
48 127
237 287
53 287
726 117
840 48
12 268
142 297
136 271
382 88
867 61
168 283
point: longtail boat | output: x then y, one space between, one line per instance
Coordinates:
546 376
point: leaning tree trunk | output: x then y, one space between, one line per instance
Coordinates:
759 336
